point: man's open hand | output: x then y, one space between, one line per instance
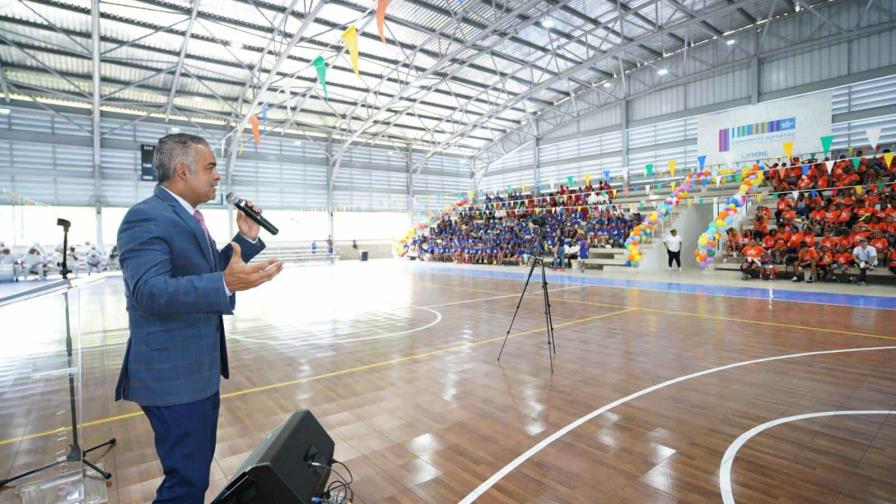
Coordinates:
240 276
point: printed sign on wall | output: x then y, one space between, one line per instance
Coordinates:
759 131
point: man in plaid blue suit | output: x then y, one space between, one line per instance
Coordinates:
178 286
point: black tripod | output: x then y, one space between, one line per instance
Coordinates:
552 347
76 453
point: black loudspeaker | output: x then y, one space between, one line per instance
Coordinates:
283 468
363 255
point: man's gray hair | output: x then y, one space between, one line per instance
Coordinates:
173 149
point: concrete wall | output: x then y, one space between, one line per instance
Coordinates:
690 222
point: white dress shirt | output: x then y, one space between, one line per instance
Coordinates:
191 210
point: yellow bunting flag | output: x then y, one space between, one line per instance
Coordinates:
351 42
859 189
888 159
849 149
614 193
672 167
587 178
690 201
381 6
672 185
788 149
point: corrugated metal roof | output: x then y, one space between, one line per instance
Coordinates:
228 37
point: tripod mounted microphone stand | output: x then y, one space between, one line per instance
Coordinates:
76 453
549 322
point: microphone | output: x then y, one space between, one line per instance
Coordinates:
240 204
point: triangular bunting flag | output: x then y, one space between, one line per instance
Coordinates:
320 64
647 189
826 142
873 135
381 6
256 128
649 169
351 43
856 161
888 159
788 149
729 159
701 160
672 167
830 165
859 189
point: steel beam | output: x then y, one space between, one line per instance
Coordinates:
487 32
180 58
617 50
95 120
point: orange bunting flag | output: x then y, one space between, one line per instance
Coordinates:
614 193
788 149
256 128
351 43
381 6
672 167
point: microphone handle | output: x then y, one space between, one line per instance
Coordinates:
255 216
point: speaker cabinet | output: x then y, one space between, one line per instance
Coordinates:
281 470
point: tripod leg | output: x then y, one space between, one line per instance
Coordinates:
97 447
520 302
32 471
550 317
547 316
93 466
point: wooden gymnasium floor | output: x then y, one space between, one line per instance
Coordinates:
397 360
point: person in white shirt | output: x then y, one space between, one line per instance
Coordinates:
865 258
673 248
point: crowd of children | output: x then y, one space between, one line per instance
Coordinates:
821 234
509 229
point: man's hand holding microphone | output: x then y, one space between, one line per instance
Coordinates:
239 276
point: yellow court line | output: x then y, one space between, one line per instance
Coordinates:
733 319
718 317
325 375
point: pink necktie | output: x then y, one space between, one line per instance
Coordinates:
201 220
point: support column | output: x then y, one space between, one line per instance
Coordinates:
330 169
754 80
230 149
536 159
625 142
97 132
411 207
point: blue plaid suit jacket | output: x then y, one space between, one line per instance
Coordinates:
174 287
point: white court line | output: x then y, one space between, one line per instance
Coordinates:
495 297
731 452
472 496
325 337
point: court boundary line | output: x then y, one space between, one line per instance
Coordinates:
725 487
525 456
564 278
331 374
709 316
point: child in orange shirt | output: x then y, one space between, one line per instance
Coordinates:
807 258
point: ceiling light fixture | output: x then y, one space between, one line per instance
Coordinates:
548 23
197 98
730 41
5 111
662 71
607 84
174 130
796 7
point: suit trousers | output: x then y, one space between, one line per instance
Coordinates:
185 442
